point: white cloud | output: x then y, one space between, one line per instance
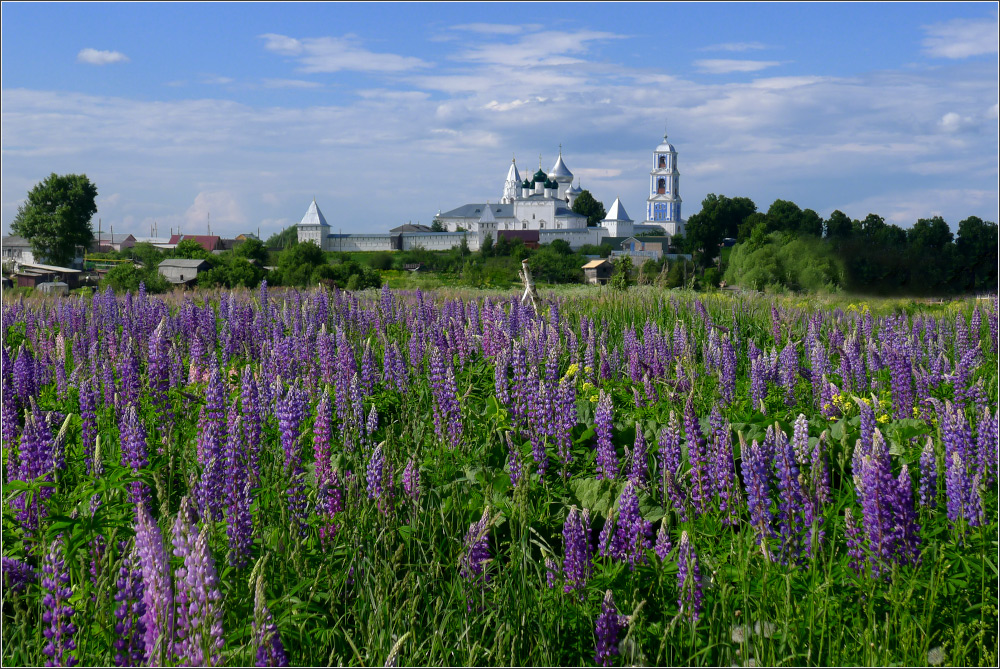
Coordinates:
289 83
725 66
540 49
216 80
497 28
219 207
962 38
735 46
97 57
334 54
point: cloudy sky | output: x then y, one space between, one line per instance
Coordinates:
388 113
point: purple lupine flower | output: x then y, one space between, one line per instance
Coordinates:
252 413
962 493
610 625
633 534
723 469
476 552
727 370
578 560
670 463
906 534
565 421
701 482
129 646
607 459
291 413
37 459
322 436
157 595
133 448
17 574
551 573
639 471
379 477
756 475
663 546
239 498
199 610
688 580
514 465
58 613
928 475
411 479
855 542
788 371
758 382
791 500
901 379
369 374
25 384
986 446
267 639
88 419
447 417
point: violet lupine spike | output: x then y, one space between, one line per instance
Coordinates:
17 575
906 530
688 580
723 469
758 382
928 474
986 446
411 479
239 498
663 545
632 532
130 631
607 459
756 465
133 452
198 599
701 482
855 542
962 492
670 462
88 420
639 470
267 639
322 437
514 465
157 597
791 501
57 611
607 631
379 478
565 420
476 551
251 409
578 560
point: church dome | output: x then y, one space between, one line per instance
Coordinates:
526 184
549 183
560 173
540 175
665 146
576 190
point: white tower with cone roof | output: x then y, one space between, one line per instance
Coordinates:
512 186
313 226
617 221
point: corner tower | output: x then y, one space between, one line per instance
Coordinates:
663 207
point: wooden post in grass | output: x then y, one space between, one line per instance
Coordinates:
529 286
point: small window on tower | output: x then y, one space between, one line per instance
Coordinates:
663 162
661 186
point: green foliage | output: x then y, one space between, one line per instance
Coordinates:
780 261
586 205
486 247
380 261
55 217
192 250
253 250
720 217
146 253
284 239
437 226
621 275
127 277
296 265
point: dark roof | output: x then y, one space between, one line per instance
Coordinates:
410 227
210 242
523 235
192 263
476 210
15 240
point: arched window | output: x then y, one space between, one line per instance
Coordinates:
663 162
541 225
661 186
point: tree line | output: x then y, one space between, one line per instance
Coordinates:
787 247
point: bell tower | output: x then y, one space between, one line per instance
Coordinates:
663 207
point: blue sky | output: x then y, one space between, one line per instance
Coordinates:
387 113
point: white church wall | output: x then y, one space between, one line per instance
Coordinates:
359 243
575 237
439 241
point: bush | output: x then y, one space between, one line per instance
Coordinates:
381 260
127 277
621 277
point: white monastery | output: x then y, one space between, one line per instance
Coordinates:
538 208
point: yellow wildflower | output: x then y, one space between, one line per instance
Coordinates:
884 418
595 398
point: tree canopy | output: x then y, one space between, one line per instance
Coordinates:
586 205
55 218
720 217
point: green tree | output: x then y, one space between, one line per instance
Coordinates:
785 216
437 226
486 248
297 263
192 250
839 226
976 250
252 250
282 240
720 217
55 218
586 205
811 223
621 276
127 277
146 253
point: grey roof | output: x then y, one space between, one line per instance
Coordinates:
193 263
475 210
568 213
665 146
15 240
411 227
116 238
314 216
487 216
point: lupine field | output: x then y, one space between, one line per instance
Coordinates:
396 478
